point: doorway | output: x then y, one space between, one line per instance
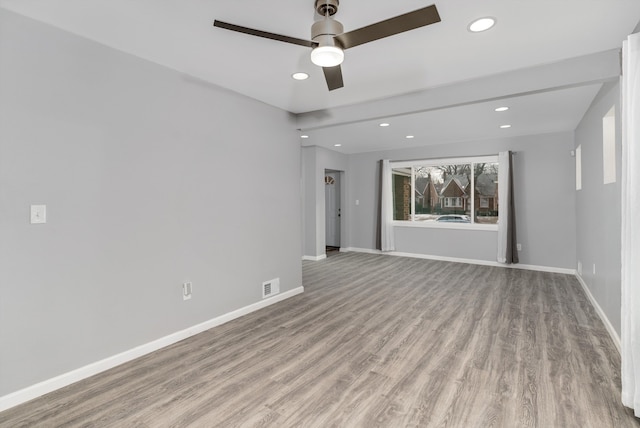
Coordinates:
332 210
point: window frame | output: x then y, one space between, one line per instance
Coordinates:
438 162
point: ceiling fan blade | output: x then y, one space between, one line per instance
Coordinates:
333 76
389 27
266 35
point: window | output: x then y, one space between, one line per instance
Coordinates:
609 146
432 192
579 167
453 202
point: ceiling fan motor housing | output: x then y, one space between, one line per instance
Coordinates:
323 31
327 7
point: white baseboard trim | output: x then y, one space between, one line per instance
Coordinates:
360 250
550 269
601 314
50 385
461 260
315 258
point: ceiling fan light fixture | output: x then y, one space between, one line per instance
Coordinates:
328 53
327 56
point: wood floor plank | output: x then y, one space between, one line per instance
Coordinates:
375 341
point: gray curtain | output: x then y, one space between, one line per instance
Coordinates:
512 250
385 240
379 210
507 240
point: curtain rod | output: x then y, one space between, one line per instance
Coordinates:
448 157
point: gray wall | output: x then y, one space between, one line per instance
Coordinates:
598 209
150 178
545 202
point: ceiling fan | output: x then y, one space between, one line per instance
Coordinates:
328 39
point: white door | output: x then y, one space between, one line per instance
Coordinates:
332 208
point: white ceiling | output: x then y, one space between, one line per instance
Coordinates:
529 35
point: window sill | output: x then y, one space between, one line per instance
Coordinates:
436 225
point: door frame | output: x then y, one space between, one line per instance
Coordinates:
338 201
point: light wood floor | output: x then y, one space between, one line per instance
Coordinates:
375 341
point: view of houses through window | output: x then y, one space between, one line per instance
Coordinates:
451 192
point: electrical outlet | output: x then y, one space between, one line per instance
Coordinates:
187 290
594 268
519 247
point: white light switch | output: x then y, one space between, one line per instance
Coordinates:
38 214
187 290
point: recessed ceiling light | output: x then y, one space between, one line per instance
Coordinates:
505 126
384 125
304 136
482 24
502 109
337 145
408 137
300 76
